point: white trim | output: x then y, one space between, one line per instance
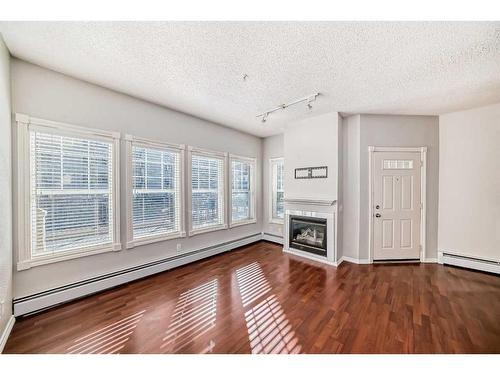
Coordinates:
430 260
423 195
272 179
355 260
253 194
25 124
132 140
312 202
476 264
272 238
26 305
213 154
6 332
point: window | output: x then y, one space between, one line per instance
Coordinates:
68 178
242 190
277 206
155 191
207 191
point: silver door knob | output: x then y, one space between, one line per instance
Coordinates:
378 215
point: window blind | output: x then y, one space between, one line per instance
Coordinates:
156 192
241 191
71 188
207 196
278 208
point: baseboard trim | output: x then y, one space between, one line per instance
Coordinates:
272 238
466 262
6 332
430 260
303 254
355 260
43 300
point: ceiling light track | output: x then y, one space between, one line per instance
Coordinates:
308 99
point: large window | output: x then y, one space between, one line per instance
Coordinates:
277 206
242 190
155 199
69 178
207 191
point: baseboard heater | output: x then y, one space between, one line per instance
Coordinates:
468 262
272 238
49 298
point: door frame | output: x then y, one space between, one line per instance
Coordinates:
423 194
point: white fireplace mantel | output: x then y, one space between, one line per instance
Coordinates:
311 202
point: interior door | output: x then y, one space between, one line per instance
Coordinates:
396 205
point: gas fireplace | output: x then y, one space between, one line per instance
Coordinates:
308 234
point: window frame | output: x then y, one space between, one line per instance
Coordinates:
212 154
27 124
253 196
132 141
272 190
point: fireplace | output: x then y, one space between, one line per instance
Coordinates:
308 234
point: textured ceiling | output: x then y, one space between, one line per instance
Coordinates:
423 68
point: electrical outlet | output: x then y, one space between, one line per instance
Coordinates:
179 247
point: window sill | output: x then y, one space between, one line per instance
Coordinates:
242 222
153 239
63 256
194 232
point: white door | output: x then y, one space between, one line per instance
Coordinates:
396 205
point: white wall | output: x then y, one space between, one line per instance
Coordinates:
272 148
46 94
469 183
411 131
312 142
351 188
5 189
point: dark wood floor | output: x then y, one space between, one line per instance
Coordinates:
258 300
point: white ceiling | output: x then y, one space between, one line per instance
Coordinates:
423 68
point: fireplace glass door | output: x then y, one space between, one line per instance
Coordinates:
308 234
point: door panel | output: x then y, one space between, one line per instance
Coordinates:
396 188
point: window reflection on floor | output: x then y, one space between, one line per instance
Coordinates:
107 340
194 315
269 330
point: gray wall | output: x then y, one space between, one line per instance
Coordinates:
49 95
411 131
469 183
5 189
272 148
350 184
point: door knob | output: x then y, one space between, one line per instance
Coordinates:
378 215
377 206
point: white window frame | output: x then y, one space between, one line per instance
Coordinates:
272 179
25 124
253 203
212 154
162 146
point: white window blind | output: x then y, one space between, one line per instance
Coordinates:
242 190
71 187
207 195
156 194
278 193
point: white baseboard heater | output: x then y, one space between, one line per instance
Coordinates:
467 262
49 298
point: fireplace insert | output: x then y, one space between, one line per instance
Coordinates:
308 234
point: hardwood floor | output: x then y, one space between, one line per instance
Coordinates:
258 300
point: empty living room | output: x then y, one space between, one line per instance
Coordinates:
238 185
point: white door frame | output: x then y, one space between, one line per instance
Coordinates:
423 194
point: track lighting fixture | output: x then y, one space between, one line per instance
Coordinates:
309 99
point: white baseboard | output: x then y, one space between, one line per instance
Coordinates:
43 300
6 332
311 257
272 238
476 264
355 260
430 260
